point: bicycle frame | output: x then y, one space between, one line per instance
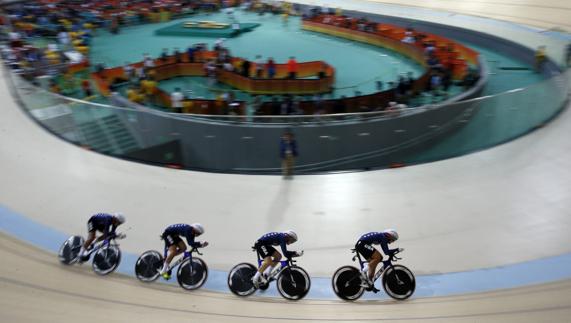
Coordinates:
99 245
284 263
186 254
386 264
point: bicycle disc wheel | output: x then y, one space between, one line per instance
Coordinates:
346 283
240 279
69 250
148 266
106 260
293 283
399 282
192 274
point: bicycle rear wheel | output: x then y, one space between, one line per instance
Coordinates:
240 279
293 283
346 283
192 274
399 282
69 250
106 260
148 266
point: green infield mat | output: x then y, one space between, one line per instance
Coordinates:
227 31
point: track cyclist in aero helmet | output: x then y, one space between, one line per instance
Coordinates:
271 257
175 245
102 222
365 247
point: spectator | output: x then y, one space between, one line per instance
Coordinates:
228 66
435 83
164 55
429 49
190 54
134 96
177 55
148 62
219 44
409 36
140 73
176 100
288 152
271 68
409 84
54 87
259 66
128 71
210 68
246 68
540 58
433 62
446 80
86 88
568 55
64 39
292 68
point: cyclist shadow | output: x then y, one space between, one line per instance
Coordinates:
279 205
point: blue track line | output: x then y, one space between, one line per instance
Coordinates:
526 273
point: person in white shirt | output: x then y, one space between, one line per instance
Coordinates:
148 61
128 71
176 100
63 37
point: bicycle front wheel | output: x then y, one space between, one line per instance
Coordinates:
399 282
106 260
346 283
293 283
192 273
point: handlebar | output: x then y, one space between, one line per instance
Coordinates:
392 257
195 249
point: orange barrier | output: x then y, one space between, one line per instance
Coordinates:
453 55
311 77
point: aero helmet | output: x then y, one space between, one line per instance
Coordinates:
291 234
120 217
392 234
198 228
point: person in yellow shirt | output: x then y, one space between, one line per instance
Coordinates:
151 87
134 96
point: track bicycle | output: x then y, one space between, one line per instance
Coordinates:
398 281
292 281
106 253
191 274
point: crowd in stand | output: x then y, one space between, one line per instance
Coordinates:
73 25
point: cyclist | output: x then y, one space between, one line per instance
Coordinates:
271 257
102 222
174 244
365 247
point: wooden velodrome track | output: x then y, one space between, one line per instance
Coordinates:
44 177
36 288
543 14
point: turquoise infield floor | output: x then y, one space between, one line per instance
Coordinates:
481 280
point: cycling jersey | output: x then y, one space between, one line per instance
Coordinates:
182 230
274 239
377 238
101 222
